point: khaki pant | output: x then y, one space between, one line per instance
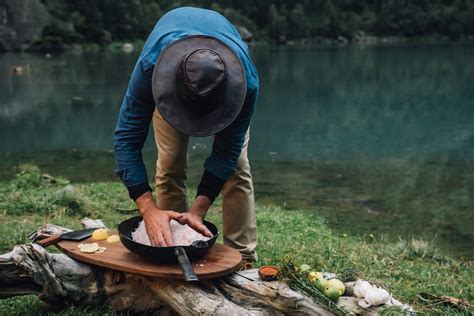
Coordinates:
238 206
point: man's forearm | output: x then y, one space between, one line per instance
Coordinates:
136 113
146 203
210 186
200 206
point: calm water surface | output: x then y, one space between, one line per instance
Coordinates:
384 136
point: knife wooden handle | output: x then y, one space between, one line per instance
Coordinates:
51 240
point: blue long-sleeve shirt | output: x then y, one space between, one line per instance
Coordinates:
138 105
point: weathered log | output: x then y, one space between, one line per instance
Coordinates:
58 279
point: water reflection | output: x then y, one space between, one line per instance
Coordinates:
382 136
66 102
340 103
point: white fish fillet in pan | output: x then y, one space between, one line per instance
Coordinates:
182 235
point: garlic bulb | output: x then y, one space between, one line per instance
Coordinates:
376 296
361 287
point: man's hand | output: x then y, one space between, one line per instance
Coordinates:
193 218
195 222
157 225
157 222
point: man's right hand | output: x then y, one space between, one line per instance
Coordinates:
157 222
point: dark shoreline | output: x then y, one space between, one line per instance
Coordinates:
316 42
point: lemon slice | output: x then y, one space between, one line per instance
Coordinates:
100 234
89 248
101 250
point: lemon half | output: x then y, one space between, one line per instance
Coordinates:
113 238
100 234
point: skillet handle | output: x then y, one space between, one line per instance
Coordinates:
183 260
51 240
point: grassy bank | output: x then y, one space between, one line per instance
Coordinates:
406 267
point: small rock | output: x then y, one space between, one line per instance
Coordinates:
128 48
342 40
48 178
67 189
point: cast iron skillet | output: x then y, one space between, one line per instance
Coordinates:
167 254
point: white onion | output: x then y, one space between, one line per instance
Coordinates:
377 297
361 287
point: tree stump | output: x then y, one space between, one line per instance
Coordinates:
59 280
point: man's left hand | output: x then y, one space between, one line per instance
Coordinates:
193 218
195 222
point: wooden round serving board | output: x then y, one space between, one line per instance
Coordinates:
219 261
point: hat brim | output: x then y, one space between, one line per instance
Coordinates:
181 116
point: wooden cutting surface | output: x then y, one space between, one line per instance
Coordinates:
219 261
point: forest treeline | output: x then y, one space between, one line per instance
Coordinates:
104 21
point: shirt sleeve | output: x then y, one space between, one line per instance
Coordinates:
221 164
131 131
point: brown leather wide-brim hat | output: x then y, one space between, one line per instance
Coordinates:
199 85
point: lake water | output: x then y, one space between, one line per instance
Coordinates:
381 136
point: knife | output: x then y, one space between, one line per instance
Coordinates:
75 235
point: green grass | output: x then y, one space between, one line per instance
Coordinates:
406 267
